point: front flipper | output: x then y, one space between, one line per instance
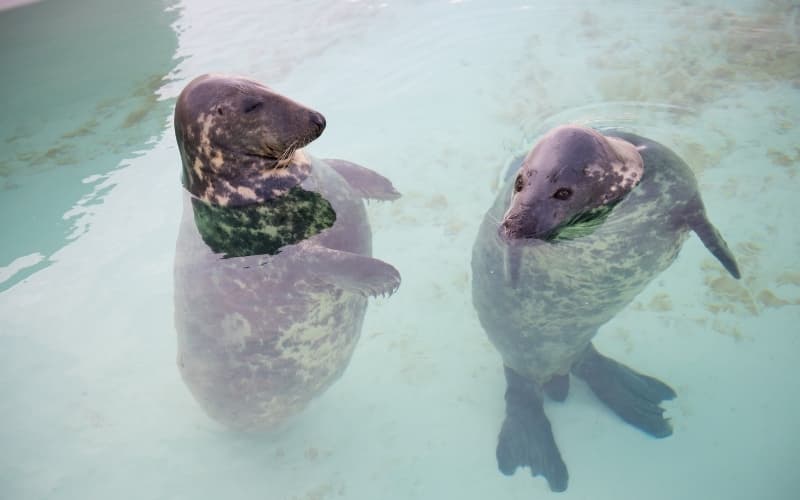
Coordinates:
364 181
526 438
714 242
631 395
350 271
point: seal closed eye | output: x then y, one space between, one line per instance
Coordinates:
586 223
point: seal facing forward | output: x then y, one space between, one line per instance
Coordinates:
273 264
586 222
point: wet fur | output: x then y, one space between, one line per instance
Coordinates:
542 288
568 289
273 264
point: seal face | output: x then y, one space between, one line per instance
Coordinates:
586 223
273 266
571 173
231 130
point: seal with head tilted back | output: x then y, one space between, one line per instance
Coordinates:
273 264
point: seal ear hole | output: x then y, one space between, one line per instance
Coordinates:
562 194
518 183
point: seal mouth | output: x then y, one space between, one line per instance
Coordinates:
579 225
280 159
286 157
511 232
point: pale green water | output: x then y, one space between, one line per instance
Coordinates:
437 96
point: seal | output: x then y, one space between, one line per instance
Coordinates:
273 265
585 223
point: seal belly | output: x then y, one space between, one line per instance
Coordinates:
254 354
259 336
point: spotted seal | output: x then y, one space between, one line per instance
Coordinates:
586 222
273 265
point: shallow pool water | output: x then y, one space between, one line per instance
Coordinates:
438 96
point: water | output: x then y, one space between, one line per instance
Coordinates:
438 96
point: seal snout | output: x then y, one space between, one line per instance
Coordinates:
519 226
318 120
311 127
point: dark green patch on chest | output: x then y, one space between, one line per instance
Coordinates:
264 228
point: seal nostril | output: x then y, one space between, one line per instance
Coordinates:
319 121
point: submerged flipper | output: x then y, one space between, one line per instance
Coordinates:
557 387
631 395
699 223
365 182
351 271
526 438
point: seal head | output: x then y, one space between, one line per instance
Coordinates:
573 175
239 140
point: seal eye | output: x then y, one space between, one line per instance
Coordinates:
250 106
518 184
562 194
219 110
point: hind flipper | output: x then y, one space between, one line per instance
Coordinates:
713 241
631 395
526 438
365 182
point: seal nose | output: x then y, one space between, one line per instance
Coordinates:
520 225
318 120
506 229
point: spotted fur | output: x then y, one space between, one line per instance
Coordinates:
239 140
273 265
566 288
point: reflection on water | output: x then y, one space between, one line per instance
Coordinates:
84 99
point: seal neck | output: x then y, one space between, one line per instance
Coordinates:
236 181
262 228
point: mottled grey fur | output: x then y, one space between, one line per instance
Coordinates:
273 264
570 240
567 289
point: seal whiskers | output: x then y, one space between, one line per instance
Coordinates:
286 157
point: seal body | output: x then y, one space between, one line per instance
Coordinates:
567 288
585 224
273 264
